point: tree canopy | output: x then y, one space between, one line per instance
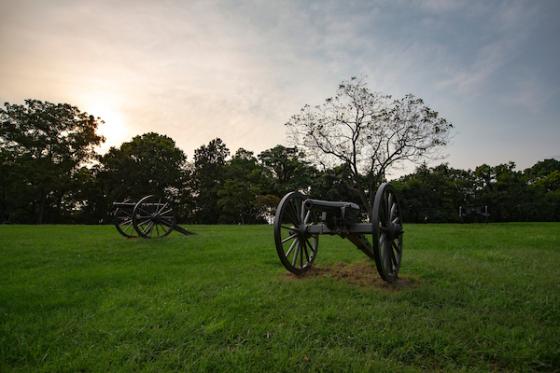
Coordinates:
208 177
368 132
149 164
42 146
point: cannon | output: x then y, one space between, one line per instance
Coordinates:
150 217
473 213
299 221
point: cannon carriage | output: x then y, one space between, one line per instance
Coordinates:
299 221
150 217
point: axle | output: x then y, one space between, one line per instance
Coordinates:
322 228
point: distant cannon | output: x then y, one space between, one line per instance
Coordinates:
299 221
473 213
148 218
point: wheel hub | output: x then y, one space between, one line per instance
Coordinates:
392 230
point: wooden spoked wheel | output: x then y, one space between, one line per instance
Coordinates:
123 222
387 232
153 218
296 248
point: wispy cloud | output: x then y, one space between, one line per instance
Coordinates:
238 70
502 33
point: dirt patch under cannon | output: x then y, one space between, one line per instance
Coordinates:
362 274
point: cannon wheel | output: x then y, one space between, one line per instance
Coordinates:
387 232
153 218
123 222
296 248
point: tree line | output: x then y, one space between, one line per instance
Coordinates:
50 173
434 194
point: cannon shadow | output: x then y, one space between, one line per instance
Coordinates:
362 274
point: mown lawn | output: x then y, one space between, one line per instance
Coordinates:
472 298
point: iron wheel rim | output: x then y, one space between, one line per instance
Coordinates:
296 248
124 223
388 233
153 218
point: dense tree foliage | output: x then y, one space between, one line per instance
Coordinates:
42 147
243 182
208 179
435 194
285 169
148 164
49 172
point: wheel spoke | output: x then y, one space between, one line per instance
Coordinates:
307 217
297 216
388 257
167 217
291 213
389 204
165 212
393 257
301 247
305 251
297 202
289 238
291 248
383 250
148 230
142 226
159 211
296 254
311 246
397 247
144 222
383 211
292 229
167 223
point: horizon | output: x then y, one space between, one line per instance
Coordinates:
238 70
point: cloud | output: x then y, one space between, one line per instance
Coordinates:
528 94
502 34
471 78
197 70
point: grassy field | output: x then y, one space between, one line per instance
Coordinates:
471 298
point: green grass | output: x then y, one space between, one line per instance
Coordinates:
483 297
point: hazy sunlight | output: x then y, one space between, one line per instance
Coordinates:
114 129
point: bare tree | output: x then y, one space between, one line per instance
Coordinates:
369 133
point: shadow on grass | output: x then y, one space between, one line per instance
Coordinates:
361 274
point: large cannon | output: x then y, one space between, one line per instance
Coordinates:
150 217
299 221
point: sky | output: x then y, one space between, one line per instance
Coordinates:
197 70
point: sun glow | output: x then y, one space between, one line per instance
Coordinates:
114 128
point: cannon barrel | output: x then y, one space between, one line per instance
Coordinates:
132 204
124 204
336 211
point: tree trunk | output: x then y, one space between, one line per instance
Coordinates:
41 211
